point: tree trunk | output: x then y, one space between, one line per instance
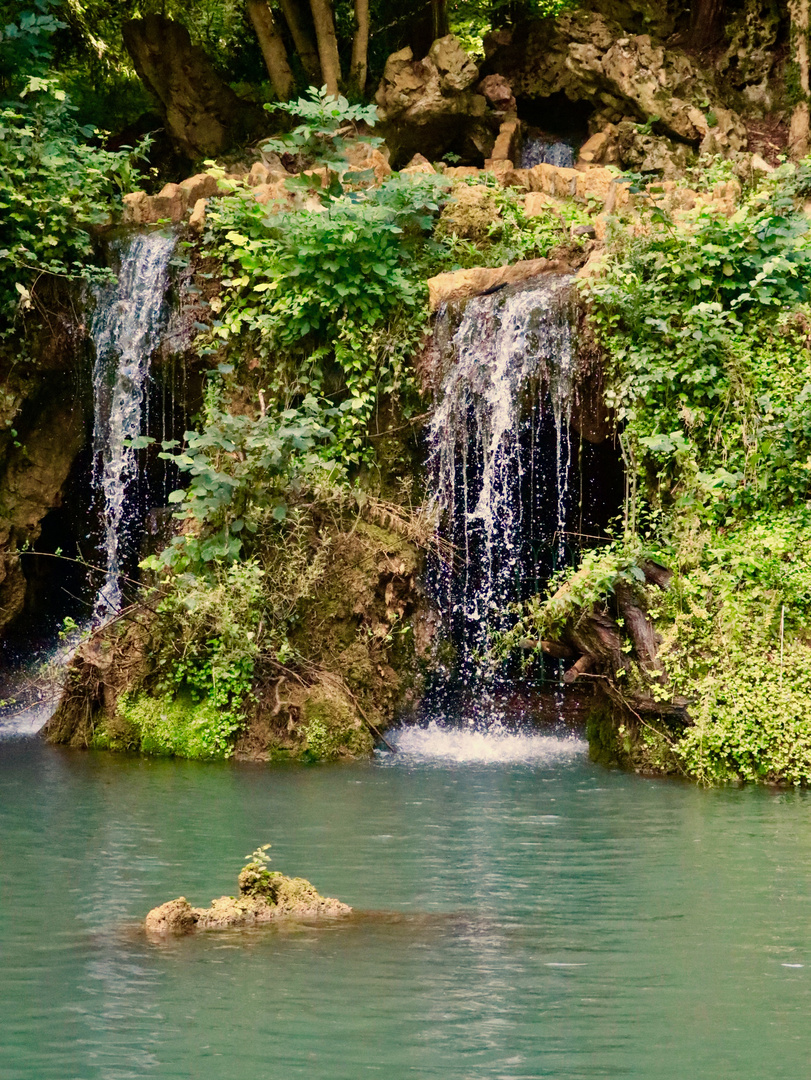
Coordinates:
360 46
439 15
327 44
272 46
302 39
203 116
706 22
799 132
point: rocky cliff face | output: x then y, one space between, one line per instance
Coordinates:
43 418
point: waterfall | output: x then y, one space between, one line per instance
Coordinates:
127 324
548 151
501 457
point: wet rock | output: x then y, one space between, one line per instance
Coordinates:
173 917
459 284
32 482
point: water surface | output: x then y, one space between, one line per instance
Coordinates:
553 919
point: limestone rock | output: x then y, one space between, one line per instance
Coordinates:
498 93
508 141
169 203
278 897
602 148
202 115
32 483
456 69
459 284
137 208
365 158
502 169
748 60
418 164
588 57
200 186
276 192
430 105
536 204
173 917
646 152
198 215
462 172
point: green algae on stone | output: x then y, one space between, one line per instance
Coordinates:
265 896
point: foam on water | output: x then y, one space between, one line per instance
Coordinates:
27 721
496 745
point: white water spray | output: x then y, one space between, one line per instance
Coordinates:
439 744
126 328
547 151
507 346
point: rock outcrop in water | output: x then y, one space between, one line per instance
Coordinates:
265 896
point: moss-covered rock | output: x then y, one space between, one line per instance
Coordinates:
332 725
472 213
265 896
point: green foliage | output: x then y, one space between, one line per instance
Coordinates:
599 573
177 726
511 234
242 470
54 189
326 121
256 878
210 644
704 328
734 644
471 20
26 30
333 295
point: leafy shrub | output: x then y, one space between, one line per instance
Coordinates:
707 374
326 121
54 189
240 465
334 296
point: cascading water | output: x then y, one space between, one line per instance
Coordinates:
547 150
502 490
129 318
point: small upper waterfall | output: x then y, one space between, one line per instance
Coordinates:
129 318
503 457
549 151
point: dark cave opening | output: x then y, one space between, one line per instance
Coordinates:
64 567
